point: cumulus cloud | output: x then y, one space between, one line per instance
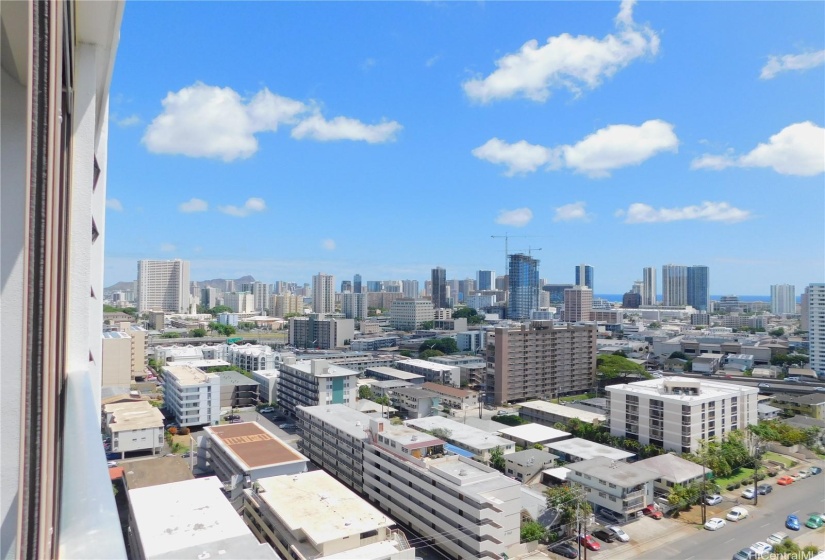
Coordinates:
572 212
328 244
167 247
575 63
797 149
607 149
318 128
519 217
251 206
114 204
788 62
639 213
194 205
519 158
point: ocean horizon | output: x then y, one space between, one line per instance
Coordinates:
618 297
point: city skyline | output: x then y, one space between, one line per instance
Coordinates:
659 147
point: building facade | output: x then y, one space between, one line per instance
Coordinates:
239 302
260 295
523 286
354 306
439 288
816 326
163 286
192 396
485 280
578 303
584 275
614 486
674 285
317 331
315 382
410 314
323 293
698 287
783 299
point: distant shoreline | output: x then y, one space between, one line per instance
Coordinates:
618 297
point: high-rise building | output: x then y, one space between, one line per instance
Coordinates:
556 292
409 314
230 286
631 300
578 303
163 286
346 286
323 293
286 304
783 299
465 288
524 286
674 285
816 326
637 288
439 283
317 331
354 306
239 302
409 288
539 359
485 279
584 275
649 285
260 294
356 284
698 287
209 297
804 310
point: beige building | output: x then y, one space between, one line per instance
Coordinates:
134 426
240 302
117 359
578 303
283 305
408 314
539 359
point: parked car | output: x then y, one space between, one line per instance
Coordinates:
804 473
745 554
815 470
652 511
604 535
590 543
792 522
231 417
813 522
267 410
611 515
761 548
820 389
565 549
764 386
777 537
111 464
736 514
784 480
715 523
748 493
764 489
286 426
620 534
713 500
796 476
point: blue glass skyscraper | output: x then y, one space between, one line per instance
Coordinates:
698 287
524 286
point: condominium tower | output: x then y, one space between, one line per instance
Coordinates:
649 286
485 279
816 326
698 287
524 286
439 288
163 286
783 299
584 275
674 285
578 303
323 293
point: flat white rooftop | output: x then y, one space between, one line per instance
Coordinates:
462 434
394 373
188 375
138 415
562 410
534 433
426 365
319 506
585 449
341 417
684 389
328 370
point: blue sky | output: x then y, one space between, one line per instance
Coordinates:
388 138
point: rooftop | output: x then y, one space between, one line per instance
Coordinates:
588 449
348 420
138 415
187 375
115 334
671 467
316 504
414 393
426 365
410 437
536 455
393 372
230 377
321 368
200 362
462 434
534 433
811 398
152 472
562 410
192 519
619 473
684 389
448 390
252 446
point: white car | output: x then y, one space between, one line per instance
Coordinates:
715 523
748 493
736 514
777 538
713 500
804 473
267 410
761 548
617 531
111 464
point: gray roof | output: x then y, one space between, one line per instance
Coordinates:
811 398
764 408
671 467
619 473
415 392
235 378
804 421
538 455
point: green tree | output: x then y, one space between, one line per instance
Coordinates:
777 332
170 335
620 353
445 345
684 496
220 309
199 332
654 325
611 366
427 325
472 316
677 356
365 392
497 460
405 353
532 531
441 433
565 500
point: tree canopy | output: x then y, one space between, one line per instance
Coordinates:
677 356
565 499
789 360
532 531
446 345
427 354
472 316
611 366
784 434
220 309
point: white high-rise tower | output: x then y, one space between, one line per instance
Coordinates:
674 285
163 286
783 299
649 286
816 326
323 293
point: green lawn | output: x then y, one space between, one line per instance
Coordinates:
771 456
575 398
739 476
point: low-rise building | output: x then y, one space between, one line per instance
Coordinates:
386 388
240 454
812 405
453 397
574 450
191 395
314 382
671 470
532 434
478 442
707 364
613 485
394 374
252 357
312 515
134 426
316 330
439 373
767 412
524 465
549 414
408 314
267 385
739 362
414 402
237 390
116 366
374 343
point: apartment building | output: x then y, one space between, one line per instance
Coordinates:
538 359
163 286
374 343
413 402
524 465
285 304
783 299
191 395
573 450
811 405
393 374
267 385
134 426
614 486
323 293
472 368
116 370
578 303
432 371
239 302
314 382
252 357
316 330
409 314
260 295
548 414
354 306
672 470
530 435
676 413
453 397
312 515
241 454
237 390
463 508
478 442
815 319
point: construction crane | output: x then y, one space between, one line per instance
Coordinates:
506 238
530 251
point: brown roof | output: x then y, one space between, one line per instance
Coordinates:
154 471
115 473
447 390
254 445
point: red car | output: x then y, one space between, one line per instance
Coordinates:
590 543
784 480
652 511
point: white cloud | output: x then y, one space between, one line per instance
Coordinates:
131 120
432 61
520 157
519 217
572 212
167 247
797 149
328 244
565 61
318 128
194 205
213 122
114 204
799 62
252 205
639 213
607 149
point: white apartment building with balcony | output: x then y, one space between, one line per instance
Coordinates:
134 426
191 395
163 286
815 307
615 486
676 412
252 357
314 382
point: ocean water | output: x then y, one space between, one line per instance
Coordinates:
618 297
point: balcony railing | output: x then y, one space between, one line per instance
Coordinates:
89 521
